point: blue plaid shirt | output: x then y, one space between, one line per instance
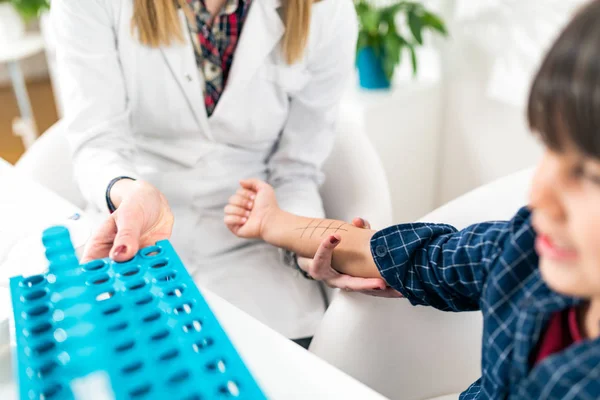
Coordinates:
491 267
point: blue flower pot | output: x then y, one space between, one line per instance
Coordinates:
370 70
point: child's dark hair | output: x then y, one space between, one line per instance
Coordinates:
564 103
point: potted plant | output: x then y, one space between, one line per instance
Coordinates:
381 42
14 14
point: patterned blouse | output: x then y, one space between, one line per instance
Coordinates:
215 41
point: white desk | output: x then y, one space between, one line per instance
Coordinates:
26 209
283 369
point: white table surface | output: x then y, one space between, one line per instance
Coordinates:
283 369
22 48
26 209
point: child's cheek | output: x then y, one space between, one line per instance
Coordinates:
587 240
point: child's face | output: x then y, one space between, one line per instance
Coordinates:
565 198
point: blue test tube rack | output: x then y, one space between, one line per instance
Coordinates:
106 330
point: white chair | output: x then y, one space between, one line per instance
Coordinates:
407 352
48 162
355 182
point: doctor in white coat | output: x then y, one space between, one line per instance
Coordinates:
167 107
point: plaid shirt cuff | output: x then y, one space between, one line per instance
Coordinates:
393 250
383 256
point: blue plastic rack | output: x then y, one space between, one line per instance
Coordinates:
134 330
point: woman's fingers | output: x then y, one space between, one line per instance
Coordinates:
101 241
130 223
387 293
361 223
320 267
353 284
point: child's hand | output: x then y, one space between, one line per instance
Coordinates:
249 208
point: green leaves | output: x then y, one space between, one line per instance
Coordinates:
413 59
369 17
415 25
433 21
30 8
392 50
378 30
363 40
370 21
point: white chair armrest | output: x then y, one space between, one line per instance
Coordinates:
355 181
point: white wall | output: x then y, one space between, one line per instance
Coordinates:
452 134
482 138
484 132
403 126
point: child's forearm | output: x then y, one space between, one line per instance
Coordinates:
304 235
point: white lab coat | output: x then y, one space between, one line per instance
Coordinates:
138 111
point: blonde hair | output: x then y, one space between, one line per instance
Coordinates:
157 24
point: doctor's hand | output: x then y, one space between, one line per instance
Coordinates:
319 268
142 218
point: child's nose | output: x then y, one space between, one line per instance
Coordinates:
545 187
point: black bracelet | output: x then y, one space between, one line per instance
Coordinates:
304 274
109 203
291 259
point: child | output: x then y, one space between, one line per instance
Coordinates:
535 278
